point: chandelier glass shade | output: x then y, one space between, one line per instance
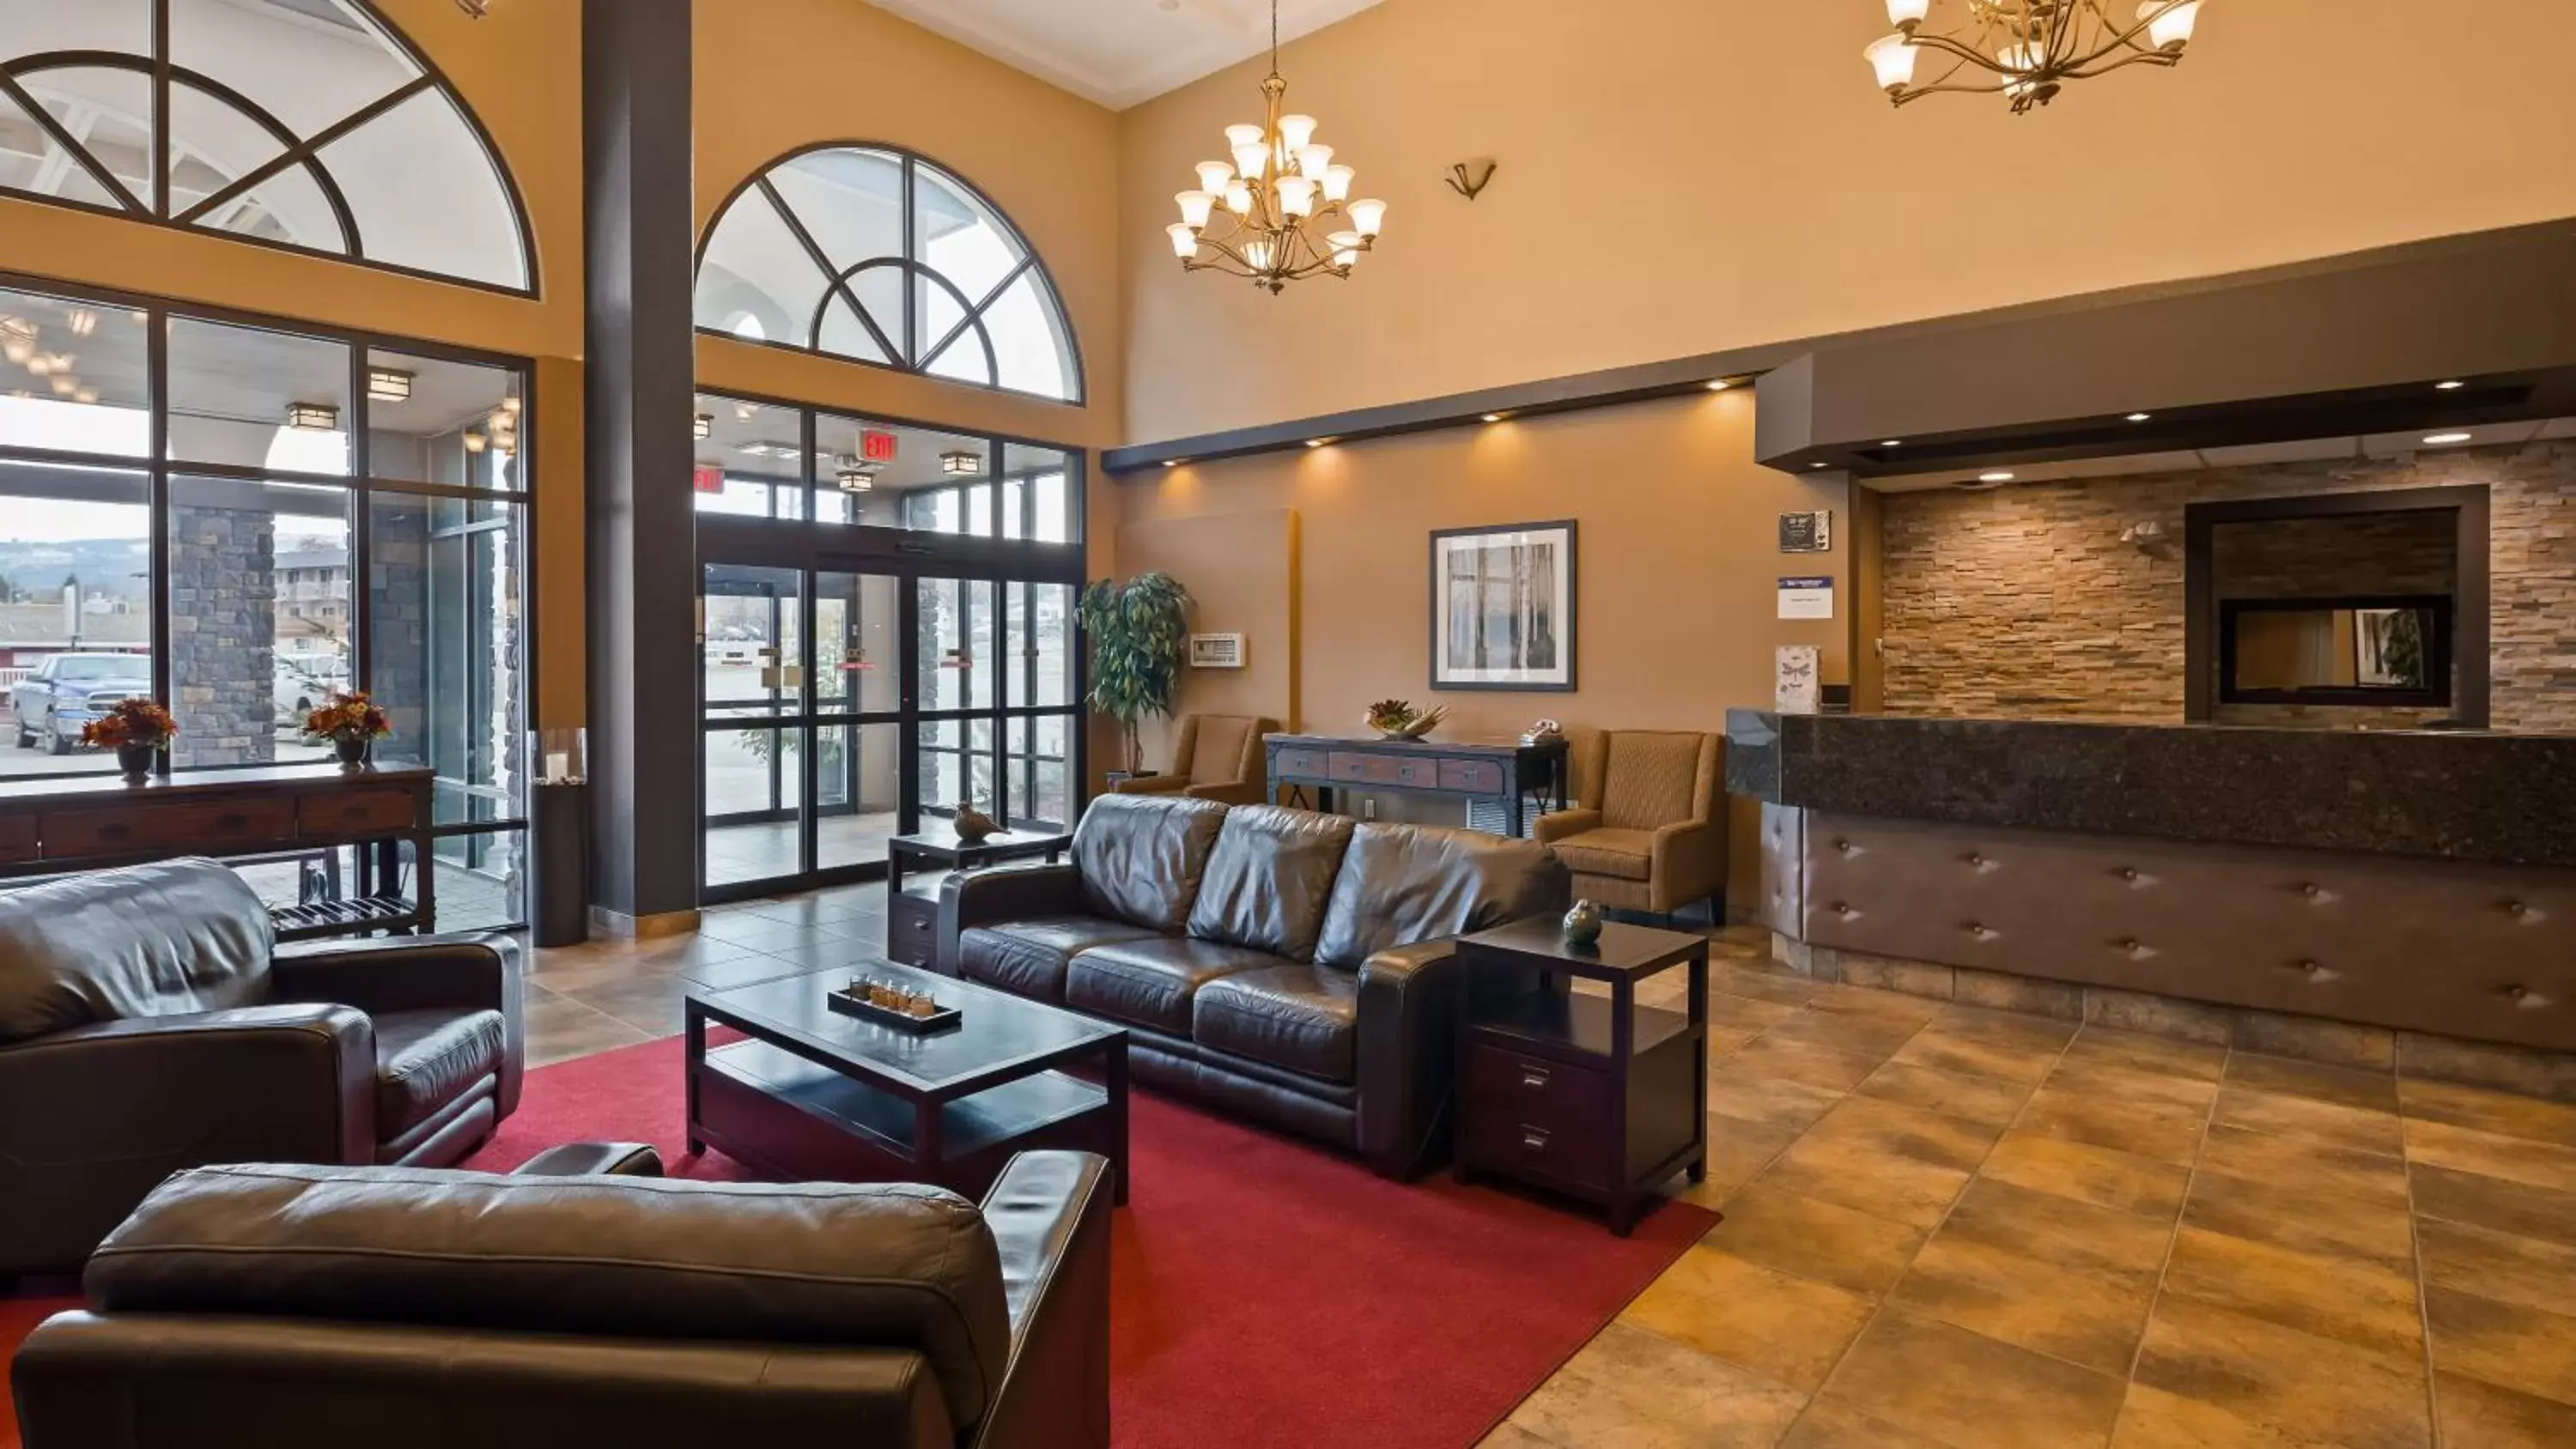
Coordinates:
2025 50
1280 210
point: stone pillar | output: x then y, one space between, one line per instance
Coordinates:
398 632
223 635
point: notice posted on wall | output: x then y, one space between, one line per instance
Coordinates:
1805 597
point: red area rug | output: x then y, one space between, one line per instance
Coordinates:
1268 1293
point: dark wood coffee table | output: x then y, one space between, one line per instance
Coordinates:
813 1094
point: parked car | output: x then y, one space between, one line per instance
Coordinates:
67 691
303 681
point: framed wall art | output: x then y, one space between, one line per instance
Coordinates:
1502 607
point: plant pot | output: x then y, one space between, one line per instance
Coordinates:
136 761
352 751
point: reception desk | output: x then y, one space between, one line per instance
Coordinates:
2354 896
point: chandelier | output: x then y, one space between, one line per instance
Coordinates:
2028 49
1270 214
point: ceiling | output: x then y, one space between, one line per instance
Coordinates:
1120 52
2362 447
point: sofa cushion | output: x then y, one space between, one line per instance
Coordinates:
1141 856
1150 982
626 1257
1650 778
155 940
425 1059
1300 1017
1269 877
1622 854
1027 958
1405 883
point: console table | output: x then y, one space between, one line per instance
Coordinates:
90 822
1502 772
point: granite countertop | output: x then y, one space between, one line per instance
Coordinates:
2507 799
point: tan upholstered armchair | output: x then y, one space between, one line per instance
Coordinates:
1218 757
1649 830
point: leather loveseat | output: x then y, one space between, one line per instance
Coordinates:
1291 966
149 1022
411 1309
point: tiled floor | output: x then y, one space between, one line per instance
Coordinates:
1952 1226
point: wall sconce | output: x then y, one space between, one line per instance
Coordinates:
389 384
961 464
1470 177
313 417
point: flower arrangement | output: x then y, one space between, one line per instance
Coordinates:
350 719
136 723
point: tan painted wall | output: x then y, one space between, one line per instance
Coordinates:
1681 176
1677 561
1242 571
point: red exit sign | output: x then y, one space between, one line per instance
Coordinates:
876 447
707 480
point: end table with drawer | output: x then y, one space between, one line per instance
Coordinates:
912 906
1592 1096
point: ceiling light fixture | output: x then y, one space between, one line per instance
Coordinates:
2026 50
2454 385
1264 214
389 384
313 417
961 464
1493 417
2140 417
1317 442
856 475
1721 384
1174 462
703 427
1994 477
1893 443
81 320
2444 439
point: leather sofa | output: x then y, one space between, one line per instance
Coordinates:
149 1022
426 1309
1215 757
1294 967
1648 829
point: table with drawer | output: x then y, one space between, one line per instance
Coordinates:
1591 1096
89 822
1506 773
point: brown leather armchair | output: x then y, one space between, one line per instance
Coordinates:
148 1024
425 1309
1649 829
1217 757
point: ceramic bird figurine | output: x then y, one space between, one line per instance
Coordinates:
972 824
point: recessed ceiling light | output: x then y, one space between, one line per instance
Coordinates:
2454 385
2439 439
1994 477
1317 442
2140 417
1174 462
1893 443
1493 417
1722 384
1820 465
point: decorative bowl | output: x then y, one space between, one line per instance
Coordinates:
1396 719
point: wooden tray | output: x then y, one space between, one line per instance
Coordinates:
859 1006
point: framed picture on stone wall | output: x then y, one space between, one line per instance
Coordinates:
1502 607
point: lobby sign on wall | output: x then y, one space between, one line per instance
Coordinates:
1806 597
1807 532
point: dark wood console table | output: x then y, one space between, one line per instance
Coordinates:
89 822
1503 772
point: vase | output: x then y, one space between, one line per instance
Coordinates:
1583 924
136 761
352 750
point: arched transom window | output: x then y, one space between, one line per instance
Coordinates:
882 257
309 124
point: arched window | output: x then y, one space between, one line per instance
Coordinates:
309 124
881 257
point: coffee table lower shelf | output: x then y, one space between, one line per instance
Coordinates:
792 1118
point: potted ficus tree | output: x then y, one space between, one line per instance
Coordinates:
1137 630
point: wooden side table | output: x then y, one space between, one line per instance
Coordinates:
912 911
1591 1096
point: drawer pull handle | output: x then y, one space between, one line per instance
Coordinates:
1534 1077
1534 1138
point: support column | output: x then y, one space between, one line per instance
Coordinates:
642 523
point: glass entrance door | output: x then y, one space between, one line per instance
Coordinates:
756 724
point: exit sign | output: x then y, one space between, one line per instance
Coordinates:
876 447
707 480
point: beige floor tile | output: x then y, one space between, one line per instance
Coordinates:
1815 1239
2102 1176
1756 984
1767 1101
1788 1329
1629 1387
2492 1154
741 971
2331 1124
2375 1230
1893 1127
1859 1034
2297 1163
1829 1425
1774 1055
815 911
2116 1081
1940 1046
1988 1100
2147 1052
2478 1415
2494 1203
1746 1013
2060 1229
2259 1371
2532 1272
833 955
2090 1316
2525 1349
1867 1178
649 1003
1508 1435
2352 1086
1737 1153
2166 1131
2007 1028
560 1028
1968 1390
1895 1006
2154 1419
2498 1112
2346 1299
760 933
